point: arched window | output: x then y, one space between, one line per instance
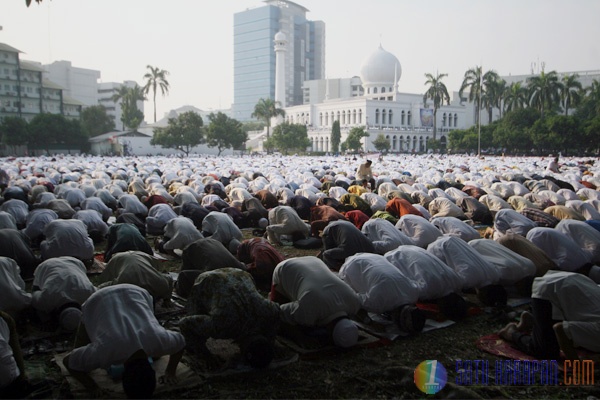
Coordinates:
444 120
382 90
409 118
354 116
327 143
402 117
383 114
377 116
421 144
320 119
394 143
360 116
455 120
338 116
390 121
414 144
374 90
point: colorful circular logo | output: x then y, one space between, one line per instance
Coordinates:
430 376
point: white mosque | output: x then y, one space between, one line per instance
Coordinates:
372 101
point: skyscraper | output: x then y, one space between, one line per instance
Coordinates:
254 55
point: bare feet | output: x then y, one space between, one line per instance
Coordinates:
506 332
526 322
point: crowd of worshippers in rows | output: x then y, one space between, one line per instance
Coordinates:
381 245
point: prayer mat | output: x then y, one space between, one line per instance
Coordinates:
383 327
432 311
494 344
165 257
97 266
319 343
114 387
497 346
228 354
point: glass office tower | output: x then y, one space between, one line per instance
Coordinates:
254 55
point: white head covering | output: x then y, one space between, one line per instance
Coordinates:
263 223
69 319
345 333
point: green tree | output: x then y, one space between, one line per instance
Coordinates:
515 97
95 121
156 79
266 109
249 126
336 137
565 133
131 115
472 82
14 132
182 133
512 131
570 92
225 133
381 143
437 92
591 131
47 129
544 91
290 137
353 141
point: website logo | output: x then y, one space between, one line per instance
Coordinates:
430 376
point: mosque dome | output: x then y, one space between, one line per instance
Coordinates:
280 36
380 68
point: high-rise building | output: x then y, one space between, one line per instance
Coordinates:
79 83
254 55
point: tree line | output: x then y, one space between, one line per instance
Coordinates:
546 114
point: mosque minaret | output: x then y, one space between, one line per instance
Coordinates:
280 53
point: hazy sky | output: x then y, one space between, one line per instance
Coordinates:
193 39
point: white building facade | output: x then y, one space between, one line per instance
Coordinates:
80 83
372 101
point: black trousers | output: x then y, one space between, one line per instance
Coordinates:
542 342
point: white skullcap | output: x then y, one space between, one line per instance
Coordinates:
69 318
233 246
263 223
345 333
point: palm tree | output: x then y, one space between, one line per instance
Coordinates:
266 109
593 93
156 78
516 97
544 91
128 97
571 92
438 93
499 89
472 83
491 93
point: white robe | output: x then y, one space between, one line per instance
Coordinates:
475 271
432 277
380 286
511 266
559 247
